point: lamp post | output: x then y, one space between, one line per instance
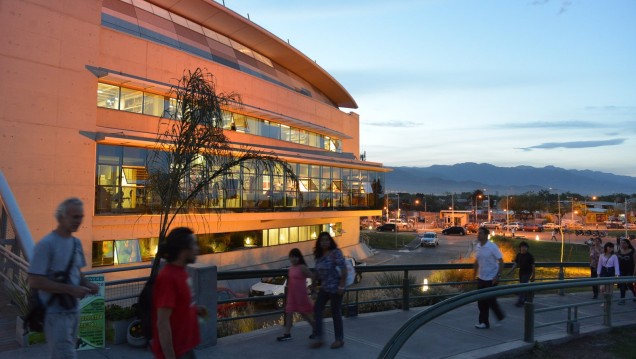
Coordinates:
572 199
488 197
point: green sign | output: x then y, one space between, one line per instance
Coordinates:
92 317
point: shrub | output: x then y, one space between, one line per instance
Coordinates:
236 326
114 312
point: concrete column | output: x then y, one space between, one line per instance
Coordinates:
203 278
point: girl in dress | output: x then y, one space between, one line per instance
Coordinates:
297 298
608 266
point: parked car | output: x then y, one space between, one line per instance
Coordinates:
630 226
429 239
574 226
400 223
532 227
454 230
550 226
224 310
387 227
471 227
491 225
516 225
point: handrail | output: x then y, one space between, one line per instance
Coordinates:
402 335
25 241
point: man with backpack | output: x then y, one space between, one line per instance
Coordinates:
175 326
55 272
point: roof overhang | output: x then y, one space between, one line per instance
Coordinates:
225 21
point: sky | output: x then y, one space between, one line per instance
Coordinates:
506 82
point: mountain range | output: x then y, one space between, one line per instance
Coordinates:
467 177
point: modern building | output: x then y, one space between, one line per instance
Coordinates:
85 84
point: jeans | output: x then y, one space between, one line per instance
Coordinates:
60 330
525 296
485 305
625 286
336 313
593 274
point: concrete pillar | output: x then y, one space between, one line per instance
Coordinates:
203 278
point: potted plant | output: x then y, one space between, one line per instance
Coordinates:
19 294
118 319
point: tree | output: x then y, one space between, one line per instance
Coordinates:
193 161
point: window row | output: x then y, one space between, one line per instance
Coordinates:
137 101
107 253
122 186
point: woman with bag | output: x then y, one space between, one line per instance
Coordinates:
626 260
331 271
608 266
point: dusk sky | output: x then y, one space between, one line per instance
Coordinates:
506 82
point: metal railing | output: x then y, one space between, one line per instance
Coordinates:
402 335
16 243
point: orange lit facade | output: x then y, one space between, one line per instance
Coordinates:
85 83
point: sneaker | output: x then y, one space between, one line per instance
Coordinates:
284 337
481 326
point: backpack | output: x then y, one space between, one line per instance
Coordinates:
144 308
351 272
34 319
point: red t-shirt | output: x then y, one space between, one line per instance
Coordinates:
172 290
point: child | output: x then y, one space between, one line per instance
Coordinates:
297 298
608 266
525 261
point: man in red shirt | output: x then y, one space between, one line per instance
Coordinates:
175 319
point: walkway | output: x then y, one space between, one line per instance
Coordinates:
450 336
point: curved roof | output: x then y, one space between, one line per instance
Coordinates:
225 21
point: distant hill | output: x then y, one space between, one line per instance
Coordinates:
465 177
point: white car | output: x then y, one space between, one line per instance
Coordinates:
272 286
516 225
550 225
491 225
400 223
429 239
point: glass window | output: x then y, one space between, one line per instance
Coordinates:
240 123
272 235
153 104
103 253
283 235
294 135
108 96
148 248
127 251
131 100
313 139
293 234
285 133
303 138
303 233
253 126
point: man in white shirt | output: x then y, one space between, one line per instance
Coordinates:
488 268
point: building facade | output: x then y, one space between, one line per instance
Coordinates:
86 84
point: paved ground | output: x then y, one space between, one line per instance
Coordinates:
450 336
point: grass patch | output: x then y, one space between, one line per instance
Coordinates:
387 240
544 251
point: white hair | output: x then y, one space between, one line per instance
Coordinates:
62 209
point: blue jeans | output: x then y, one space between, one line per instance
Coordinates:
336 313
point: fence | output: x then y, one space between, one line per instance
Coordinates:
16 243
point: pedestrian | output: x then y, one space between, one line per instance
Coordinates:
175 317
513 231
297 298
55 272
626 263
488 268
608 266
554 238
331 271
525 261
595 252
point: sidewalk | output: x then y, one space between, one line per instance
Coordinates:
450 336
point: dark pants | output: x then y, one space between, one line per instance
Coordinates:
625 286
485 305
593 274
525 296
336 313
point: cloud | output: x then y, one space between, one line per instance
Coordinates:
399 124
553 124
611 108
575 144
